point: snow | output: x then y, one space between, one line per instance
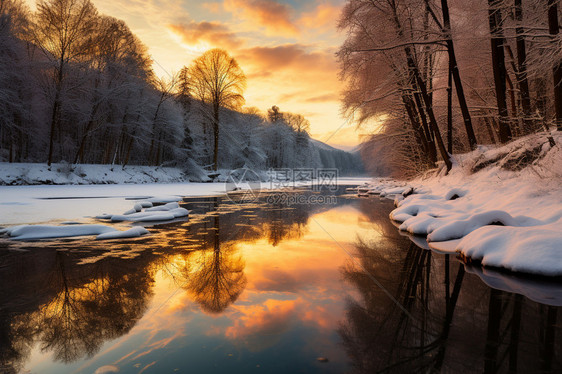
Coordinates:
41 204
134 232
149 216
47 203
492 207
64 173
102 232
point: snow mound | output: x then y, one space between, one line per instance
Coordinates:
534 249
163 199
134 232
38 232
166 212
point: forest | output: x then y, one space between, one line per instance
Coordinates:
448 76
77 86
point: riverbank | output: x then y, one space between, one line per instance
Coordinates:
499 206
22 174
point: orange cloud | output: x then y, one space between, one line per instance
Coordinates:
260 326
323 16
334 96
214 33
293 56
275 17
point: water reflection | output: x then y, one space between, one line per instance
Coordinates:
77 308
444 319
213 276
242 287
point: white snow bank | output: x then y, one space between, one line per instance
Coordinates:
64 173
501 206
535 249
37 232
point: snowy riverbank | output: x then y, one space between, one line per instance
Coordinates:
501 207
63 173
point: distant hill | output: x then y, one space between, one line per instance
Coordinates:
348 163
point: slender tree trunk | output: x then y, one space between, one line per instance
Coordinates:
428 149
457 76
554 29
491 132
450 111
216 136
498 65
54 121
511 90
418 82
423 117
521 72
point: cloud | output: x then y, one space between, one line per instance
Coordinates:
323 98
289 56
212 7
323 16
276 280
107 369
214 33
275 17
296 71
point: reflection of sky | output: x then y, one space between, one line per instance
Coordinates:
285 319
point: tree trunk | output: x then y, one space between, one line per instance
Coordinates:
457 76
427 145
498 65
554 29
216 135
54 121
521 72
419 83
450 111
511 90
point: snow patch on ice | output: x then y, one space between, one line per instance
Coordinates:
134 232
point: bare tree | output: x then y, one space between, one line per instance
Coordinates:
64 31
498 65
218 82
554 30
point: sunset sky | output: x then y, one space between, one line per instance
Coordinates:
286 48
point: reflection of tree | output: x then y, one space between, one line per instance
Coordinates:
16 337
83 315
379 335
91 305
414 336
214 276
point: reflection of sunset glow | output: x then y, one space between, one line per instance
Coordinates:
250 286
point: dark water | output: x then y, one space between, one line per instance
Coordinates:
266 287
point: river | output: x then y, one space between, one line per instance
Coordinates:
324 283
